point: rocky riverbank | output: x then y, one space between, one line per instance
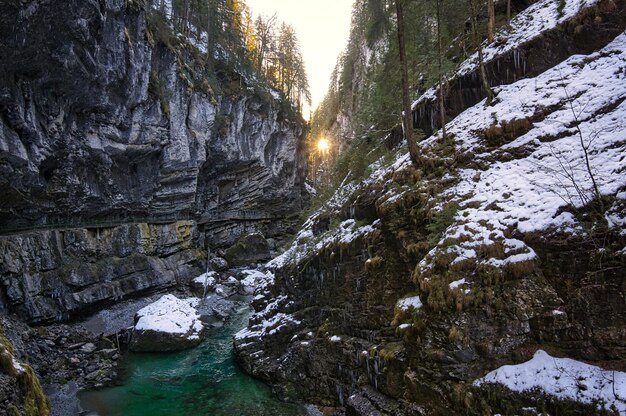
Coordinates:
89 354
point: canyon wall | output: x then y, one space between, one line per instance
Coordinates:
117 134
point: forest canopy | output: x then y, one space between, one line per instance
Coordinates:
225 31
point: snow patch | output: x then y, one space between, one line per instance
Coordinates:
527 183
413 302
206 279
564 378
171 315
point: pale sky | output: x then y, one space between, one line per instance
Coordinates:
322 26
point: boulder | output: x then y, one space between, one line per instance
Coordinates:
219 264
248 249
169 324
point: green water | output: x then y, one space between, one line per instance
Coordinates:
201 381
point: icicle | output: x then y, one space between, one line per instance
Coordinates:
339 390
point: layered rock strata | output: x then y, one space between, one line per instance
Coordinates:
123 153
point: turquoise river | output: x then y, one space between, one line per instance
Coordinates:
202 381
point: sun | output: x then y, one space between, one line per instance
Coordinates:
322 145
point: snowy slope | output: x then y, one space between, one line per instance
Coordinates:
532 193
565 379
527 25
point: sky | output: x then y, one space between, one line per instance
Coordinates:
322 26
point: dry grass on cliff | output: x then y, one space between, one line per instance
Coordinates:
35 402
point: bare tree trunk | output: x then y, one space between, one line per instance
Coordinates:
406 104
481 63
508 11
442 107
184 19
491 20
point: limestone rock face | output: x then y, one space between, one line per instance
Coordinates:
249 249
54 275
97 124
169 324
106 143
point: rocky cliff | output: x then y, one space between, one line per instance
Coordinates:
412 284
112 130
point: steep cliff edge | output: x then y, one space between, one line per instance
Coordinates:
132 151
411 285
101 118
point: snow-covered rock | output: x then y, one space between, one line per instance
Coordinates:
413 302
169 324
251 279
536 20
205 281
564 378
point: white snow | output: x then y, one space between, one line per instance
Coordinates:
275 94
306 243
564 378
413 302
335 338
457 283
527 25
172 315
256 278
206 279
531 192
274 325
19 368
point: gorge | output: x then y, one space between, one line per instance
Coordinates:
144 159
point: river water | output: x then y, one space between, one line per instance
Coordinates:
201 381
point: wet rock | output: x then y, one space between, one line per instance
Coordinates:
93 376
214 310
205 283
225 291
108 353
